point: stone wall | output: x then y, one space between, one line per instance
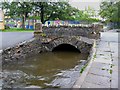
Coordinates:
89 32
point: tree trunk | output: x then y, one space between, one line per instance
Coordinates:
42 14
23 21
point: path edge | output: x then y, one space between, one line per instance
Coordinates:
79 82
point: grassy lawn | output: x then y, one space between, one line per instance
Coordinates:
17 30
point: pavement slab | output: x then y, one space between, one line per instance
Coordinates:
114 75
107 57
96 79
115 62
101 72
115 68
100 65
91 85
103 60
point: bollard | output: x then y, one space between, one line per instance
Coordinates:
38 29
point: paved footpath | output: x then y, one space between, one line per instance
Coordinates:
102 71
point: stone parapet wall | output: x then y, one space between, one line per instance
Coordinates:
89 32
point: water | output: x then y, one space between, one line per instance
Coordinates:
41 69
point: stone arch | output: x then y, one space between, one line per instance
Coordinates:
82 45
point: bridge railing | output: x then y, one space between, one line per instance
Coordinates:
89 31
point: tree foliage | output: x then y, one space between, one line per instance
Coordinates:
17 9
44 11
110 11
53 10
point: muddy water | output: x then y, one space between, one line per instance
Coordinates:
41 69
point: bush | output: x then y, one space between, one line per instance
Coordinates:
7 27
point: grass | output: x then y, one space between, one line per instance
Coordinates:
83 68
43 34
17 30
94 56
103 68
111 66
110 71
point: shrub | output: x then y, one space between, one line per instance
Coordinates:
7 27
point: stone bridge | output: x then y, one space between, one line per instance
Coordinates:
45 44
79 38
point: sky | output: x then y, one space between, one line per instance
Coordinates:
82 4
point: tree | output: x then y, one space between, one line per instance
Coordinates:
116 15
40 8
86 15
44 11
47 10
15 9
110 11
53 10
106 10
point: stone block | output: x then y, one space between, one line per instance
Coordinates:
96 79
103 60
115 75
101 72
91 85
100 65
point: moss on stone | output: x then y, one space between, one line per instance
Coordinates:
103 68
83 68
110 71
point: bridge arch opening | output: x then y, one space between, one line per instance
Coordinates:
65 48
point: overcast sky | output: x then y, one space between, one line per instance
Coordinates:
82 4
